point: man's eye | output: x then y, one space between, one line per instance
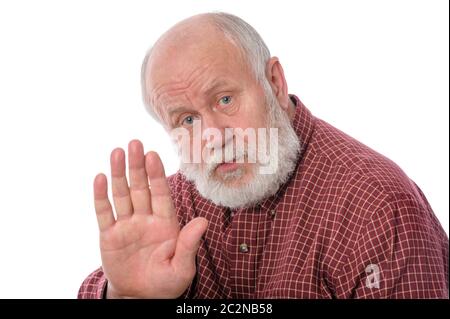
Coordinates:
225 100
188 120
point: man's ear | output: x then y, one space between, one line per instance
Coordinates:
277 81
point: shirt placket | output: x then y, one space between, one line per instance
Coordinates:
244 240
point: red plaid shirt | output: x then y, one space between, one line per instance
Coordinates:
348 224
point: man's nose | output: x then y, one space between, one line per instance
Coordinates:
214 128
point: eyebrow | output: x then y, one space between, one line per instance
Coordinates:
215 85
177 109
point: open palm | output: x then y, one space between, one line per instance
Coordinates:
144 252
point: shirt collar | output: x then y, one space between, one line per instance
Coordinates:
303 123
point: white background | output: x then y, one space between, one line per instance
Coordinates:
70 93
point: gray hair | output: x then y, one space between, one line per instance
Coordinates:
238 32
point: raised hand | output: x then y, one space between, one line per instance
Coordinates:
144 253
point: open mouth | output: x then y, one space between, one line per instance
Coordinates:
226 167
229 165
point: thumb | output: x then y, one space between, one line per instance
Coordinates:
188 243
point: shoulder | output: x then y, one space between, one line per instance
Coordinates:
368 189
361 170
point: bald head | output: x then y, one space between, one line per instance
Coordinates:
198 29
186 50
194 41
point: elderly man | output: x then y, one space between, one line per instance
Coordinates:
327 218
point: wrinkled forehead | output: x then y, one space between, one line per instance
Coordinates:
195 64
182 59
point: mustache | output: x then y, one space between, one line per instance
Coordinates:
228 154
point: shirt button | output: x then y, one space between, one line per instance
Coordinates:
243 248
272 213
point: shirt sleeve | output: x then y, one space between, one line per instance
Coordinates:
402 253
94 286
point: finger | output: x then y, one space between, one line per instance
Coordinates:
120 190
140 194
161 200
103 209
188 243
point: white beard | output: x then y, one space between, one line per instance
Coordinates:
260 185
